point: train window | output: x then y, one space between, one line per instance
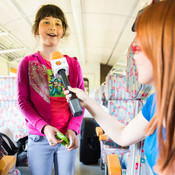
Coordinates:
86 85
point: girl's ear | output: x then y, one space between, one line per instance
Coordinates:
37 32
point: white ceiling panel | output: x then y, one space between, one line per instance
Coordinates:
100 30
123 44
96 55
112 7
8 12
20 30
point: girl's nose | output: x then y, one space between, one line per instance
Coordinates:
52 27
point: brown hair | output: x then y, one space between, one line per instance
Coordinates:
46 11
156 32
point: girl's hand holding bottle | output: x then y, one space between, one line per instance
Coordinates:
50 132
73 140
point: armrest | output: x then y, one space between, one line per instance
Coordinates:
6 163
103 137
99 131
113 164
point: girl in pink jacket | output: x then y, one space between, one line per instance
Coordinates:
42 101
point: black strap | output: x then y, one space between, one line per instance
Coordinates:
12 149
21 143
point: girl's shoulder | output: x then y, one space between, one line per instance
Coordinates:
34 57
72 62
71 58
30 57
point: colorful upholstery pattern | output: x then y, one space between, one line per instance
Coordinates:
107 151
123 171
135 89
124 110
14 172
116 88
109 143
126 97
10 116
137 163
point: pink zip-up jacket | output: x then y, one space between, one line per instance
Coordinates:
33 92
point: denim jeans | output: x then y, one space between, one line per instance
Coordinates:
42 157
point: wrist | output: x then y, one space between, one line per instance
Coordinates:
88 102
44 128
72 131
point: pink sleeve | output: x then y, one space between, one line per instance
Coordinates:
24 97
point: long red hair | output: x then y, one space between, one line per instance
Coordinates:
155 29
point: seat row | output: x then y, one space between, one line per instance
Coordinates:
124 97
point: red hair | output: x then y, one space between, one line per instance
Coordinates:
156 32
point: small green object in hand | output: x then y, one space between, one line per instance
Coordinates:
61 136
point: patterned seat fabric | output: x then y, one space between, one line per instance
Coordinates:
124 111
137 163
123 171
109 143
122 108
10 116
14 172
106 151
116 88
126 97
110 147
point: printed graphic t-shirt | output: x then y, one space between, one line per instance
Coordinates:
60 111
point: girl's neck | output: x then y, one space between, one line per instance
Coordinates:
45 52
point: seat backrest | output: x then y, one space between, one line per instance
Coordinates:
116 88
10 116
120 104
124 110
137 163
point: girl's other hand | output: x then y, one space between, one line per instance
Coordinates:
70 134
50 132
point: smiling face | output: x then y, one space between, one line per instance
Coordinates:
50 31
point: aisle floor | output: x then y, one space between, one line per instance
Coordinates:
80 169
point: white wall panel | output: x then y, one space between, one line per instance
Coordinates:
4 66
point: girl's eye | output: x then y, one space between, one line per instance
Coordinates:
58 24
46 22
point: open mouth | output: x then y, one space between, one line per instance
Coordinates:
52 35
